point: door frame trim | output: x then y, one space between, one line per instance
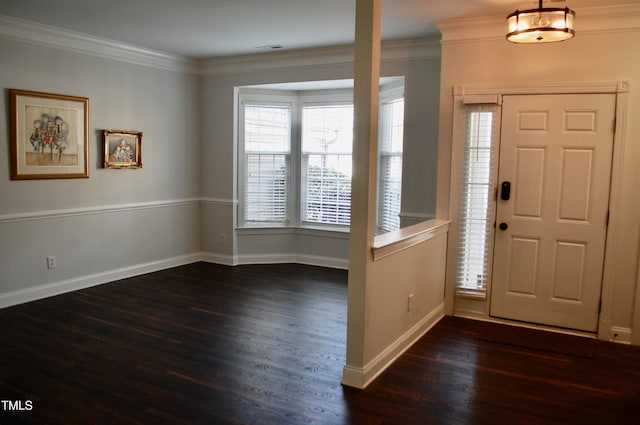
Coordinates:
478 307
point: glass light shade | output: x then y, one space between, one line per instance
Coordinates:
542 25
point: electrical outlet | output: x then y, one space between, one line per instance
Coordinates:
223 238
410 303
51 262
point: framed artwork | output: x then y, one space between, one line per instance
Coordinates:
122 149
49 136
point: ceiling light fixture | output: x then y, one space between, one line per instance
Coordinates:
541 25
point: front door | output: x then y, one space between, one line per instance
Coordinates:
552 207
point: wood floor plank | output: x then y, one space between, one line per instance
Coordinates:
265 344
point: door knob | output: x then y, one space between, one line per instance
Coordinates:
503 226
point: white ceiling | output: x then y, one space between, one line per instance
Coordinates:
211 28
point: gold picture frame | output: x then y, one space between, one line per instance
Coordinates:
122 149
49 136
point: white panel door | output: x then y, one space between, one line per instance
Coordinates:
556 153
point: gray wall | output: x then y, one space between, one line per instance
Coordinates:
120 223
117 222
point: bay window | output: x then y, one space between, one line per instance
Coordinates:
295 159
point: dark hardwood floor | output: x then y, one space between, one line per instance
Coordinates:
265 344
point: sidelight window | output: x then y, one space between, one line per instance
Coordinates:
477 203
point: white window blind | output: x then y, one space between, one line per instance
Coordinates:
327 139
390 167
477 203
267 141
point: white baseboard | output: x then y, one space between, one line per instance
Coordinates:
620 335
607 331
225 260
311 260
81 282
334 263
361 377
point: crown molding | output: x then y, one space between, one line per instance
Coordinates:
416 48
48 36
393 50
616 18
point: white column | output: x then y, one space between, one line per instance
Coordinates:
363 189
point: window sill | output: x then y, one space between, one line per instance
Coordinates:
338 232
263 230
324 228
392 242
474 294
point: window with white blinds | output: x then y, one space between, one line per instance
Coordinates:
266 150
327 141
390 165
477 203
295 157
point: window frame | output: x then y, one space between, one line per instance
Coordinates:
318 99
389 94
259 98
468 108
